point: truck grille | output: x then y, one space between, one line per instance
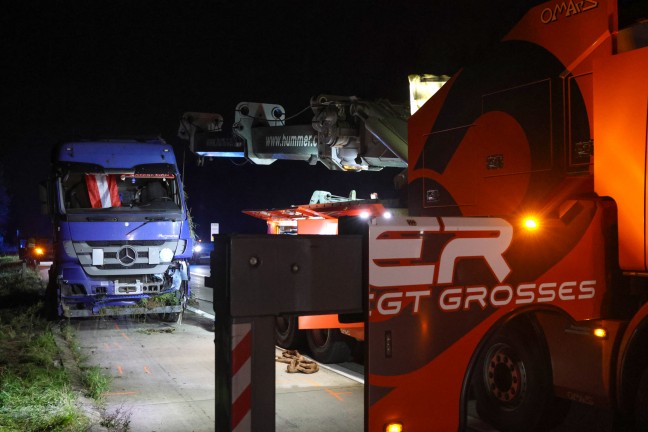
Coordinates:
121 267
119 258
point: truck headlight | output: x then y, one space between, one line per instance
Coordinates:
166 255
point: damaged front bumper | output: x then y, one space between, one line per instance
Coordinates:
112 310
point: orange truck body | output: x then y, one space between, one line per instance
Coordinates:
505 139
518 281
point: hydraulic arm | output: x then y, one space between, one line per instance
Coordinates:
345 133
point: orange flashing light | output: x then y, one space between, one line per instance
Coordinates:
600 333
394 427
530 223
39 251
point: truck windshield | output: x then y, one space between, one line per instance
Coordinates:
119 192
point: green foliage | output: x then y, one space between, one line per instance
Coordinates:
95 381
168 299
37 399
35 393
19 287
67 331
35 390
8 258
192 223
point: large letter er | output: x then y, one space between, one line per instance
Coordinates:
491 248
399 250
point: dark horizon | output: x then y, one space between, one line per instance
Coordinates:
122 69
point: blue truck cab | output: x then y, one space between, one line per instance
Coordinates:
121 229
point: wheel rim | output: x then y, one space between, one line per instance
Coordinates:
505 375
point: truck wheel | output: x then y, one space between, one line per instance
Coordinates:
175 317
287 333
51 301
512 383
641 402
329 345
169 316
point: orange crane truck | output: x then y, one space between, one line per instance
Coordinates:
328 340
518 280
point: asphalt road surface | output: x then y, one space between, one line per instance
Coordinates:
202 296
163 375
163 378
580 418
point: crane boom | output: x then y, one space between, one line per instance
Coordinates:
346 134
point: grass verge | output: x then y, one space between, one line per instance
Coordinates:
35 389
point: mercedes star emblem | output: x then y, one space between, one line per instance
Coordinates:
127 256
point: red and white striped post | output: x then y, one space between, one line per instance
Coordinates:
245 368
242 377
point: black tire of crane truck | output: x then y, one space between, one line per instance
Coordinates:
329 345
287 333
641 404
512 383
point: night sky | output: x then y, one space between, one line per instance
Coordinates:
121 68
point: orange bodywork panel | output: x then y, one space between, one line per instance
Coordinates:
354 330
432 322
317 226
315 218
621 100
319 211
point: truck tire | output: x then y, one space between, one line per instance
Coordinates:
169 317
176 317
329 345
512 383
641 402
287 333
51 301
